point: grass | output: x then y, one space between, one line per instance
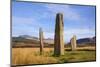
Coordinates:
25 56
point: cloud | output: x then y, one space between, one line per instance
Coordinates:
45 18
69 13
80 33
49 35
21 25
68 33
31 26
25 21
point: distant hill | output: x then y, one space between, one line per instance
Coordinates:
29 41
86 40
25 40
29 37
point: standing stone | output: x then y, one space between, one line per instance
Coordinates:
41 40
58 38
73 43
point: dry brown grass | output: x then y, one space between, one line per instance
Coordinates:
24 56
21 56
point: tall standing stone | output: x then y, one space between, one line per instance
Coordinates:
73 43
58 38
41 40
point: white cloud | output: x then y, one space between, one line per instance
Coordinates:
68 33
68 12
49 35
80 33
24 21
24 26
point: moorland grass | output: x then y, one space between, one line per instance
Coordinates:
25 56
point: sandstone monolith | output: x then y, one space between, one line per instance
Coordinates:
58 38
73 43
41 40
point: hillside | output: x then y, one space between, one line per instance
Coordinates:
29 41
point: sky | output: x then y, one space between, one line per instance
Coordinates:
28 17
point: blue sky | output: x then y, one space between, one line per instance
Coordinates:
28 17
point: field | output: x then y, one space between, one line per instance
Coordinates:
25 56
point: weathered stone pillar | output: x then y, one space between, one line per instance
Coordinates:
73 43
58 38
41 40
